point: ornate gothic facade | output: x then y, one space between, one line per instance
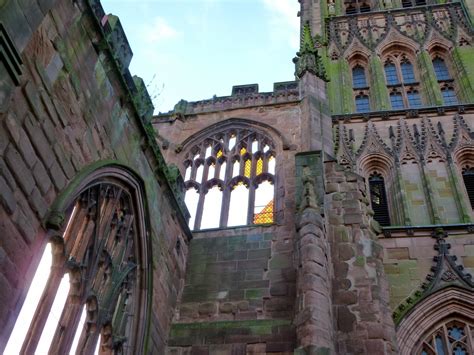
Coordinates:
333 215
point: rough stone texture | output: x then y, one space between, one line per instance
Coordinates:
66 113
362 303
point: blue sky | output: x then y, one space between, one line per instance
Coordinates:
194 49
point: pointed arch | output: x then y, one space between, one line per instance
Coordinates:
430 311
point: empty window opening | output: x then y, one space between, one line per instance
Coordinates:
468 177
239 199
378 199
240 160
263 210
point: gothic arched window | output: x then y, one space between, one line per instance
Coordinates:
378 199
361 88
230 180
401 80
86 297
454 336
445 81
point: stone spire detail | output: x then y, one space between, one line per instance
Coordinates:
308 59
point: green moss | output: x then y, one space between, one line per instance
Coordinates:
462 57
429 83
359 261
378 88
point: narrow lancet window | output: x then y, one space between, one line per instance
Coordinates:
378 199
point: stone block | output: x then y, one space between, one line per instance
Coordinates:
20 170
6 196
43 181
40 142
398 253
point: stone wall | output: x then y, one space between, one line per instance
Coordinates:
72 105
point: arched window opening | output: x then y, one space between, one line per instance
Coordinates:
468 177
401 81
358 77
396 100
378 199
200 171
362 103
360 86
94 256
407 71
187 175
191 198
449 95
441 70
246 158
454 336
239 199
391 73
236 169
212 208
414 99
263 209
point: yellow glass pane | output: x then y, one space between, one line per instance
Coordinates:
264 216
243 151
259 166
247 168
219 153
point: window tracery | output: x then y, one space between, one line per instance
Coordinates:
241 164
401 81
468 178
88 280
454 336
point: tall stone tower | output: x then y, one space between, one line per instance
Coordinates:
332 215
371 214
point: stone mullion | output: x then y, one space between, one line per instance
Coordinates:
428 190
200 207
429 84
378 88
463 209
400 184
251 205
226 194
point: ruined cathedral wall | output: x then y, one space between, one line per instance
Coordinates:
69 108
240 286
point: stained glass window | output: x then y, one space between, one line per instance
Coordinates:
396 100
259 168
407 72
358 77
414 99
449 96
362 103
248 168
441 70
391 74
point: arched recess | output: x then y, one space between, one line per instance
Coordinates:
464 160
98 236
243 151
377 168
452 302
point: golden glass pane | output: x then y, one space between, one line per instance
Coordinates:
243 151
247 168
219 153
265 216
259 166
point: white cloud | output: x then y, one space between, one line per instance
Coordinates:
159 30
283 20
